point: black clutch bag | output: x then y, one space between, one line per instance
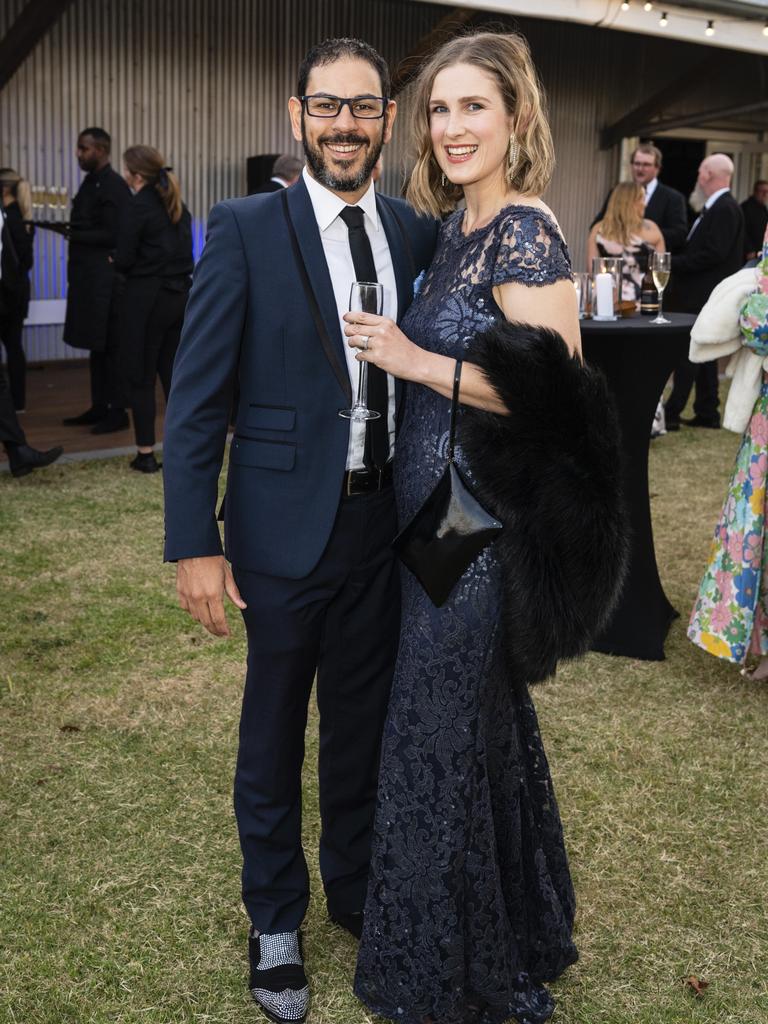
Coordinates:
449 530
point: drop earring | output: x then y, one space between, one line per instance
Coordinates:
513 157
442 180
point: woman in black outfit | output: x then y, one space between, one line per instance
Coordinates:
15 263
154 252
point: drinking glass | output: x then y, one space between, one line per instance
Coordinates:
583 285
364 297
661 265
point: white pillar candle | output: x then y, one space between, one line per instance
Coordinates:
604 294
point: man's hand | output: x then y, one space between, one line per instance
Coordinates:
201 584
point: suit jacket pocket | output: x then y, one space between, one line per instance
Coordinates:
248 451
270 417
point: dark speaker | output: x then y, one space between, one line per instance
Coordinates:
259 170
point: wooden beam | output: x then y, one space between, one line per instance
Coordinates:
448 26
35 19
635 120
723 114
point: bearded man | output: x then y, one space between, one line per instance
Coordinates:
309 513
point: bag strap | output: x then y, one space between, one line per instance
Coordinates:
454 407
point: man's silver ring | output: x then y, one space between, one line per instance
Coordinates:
366 340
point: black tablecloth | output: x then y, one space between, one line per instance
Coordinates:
637 358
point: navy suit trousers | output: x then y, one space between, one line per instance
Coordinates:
342 622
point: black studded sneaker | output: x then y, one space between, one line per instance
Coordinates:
278 982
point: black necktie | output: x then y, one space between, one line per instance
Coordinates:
377 431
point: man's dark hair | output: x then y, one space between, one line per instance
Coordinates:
332 50
99 136
758 183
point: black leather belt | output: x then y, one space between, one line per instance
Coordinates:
366 481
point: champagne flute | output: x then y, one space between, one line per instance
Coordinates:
364 297
661 264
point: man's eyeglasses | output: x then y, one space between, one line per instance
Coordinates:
642 163
363 107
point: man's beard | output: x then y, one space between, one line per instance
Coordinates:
340 181
697 199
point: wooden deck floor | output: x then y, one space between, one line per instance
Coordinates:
59 389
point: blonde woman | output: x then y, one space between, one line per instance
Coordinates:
470 905
17 257
625 232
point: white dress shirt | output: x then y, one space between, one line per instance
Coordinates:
335 238
650 188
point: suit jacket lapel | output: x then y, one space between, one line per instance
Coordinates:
310 246
401 262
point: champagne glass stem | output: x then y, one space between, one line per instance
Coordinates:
660 318
362 384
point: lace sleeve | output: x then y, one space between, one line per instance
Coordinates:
531 250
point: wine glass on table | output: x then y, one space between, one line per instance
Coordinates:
364 297
661 265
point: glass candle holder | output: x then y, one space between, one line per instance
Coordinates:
606 287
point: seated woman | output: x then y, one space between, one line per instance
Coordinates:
625 232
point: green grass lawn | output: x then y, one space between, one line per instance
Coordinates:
119 885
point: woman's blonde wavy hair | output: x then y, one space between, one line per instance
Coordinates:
622 220
507 58
20 190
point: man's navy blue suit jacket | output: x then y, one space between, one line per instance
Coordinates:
248 314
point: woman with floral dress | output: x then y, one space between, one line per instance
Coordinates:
730 616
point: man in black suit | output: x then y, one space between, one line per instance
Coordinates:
714 250
309 511
665 206
93 286
755 210
285 171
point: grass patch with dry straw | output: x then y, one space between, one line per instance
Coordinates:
118 719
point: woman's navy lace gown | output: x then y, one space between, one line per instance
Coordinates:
470 904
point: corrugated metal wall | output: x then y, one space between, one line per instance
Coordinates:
206 81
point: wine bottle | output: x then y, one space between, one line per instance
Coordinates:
649 296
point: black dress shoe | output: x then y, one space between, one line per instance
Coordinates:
86 419
116 419
697 421
23 459
277 982
145 462
353 923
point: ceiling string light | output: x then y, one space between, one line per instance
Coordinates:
709 29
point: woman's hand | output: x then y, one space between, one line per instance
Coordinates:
380 341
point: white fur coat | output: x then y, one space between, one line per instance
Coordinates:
716 333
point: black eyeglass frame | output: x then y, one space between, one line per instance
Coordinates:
344 101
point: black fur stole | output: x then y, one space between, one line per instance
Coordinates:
551 472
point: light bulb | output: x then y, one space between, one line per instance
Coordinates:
663 20
710 29
765 29
625 5
647 6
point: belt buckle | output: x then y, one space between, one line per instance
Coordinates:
381 477
349 492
